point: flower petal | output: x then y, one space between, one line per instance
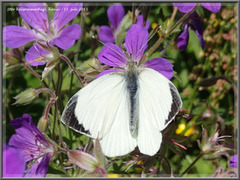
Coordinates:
234 161
200 37
35 15
39 167
35 55
107 71
136 41
68 36
13 162
28 137
24 123
105 34
20 143
140 22
195 22
182 40
25 128
185 7
161 65
65 12
213 7
16 36
115 15
112 55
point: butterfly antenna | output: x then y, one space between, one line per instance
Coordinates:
155 31
109 47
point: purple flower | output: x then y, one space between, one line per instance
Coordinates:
140 22
135 43
43 30
194 23
13 162
115 14
33 144
234 161
187 7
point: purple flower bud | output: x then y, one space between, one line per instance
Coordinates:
83 160
43 124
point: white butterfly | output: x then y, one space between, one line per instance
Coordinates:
128 107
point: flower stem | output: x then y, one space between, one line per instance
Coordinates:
172 17
80 38
189 167
52 93
168 32
35 74
133 13
58 90
166 160
65 58
51 101
78 48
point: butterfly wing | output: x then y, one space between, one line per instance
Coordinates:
159 102
100 110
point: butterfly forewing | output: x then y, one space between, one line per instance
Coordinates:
69 117
102 108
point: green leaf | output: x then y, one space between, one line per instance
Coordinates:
194 45
98 153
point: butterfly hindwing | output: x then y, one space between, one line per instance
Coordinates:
119 140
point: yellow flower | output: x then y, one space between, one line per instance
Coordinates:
114 175
182 127
189 131
154 25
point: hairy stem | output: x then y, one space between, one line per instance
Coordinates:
35 74
78 48
65 58
189 167
172 17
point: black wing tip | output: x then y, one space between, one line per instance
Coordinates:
68 116
176 103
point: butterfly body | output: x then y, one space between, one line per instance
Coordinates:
131 78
